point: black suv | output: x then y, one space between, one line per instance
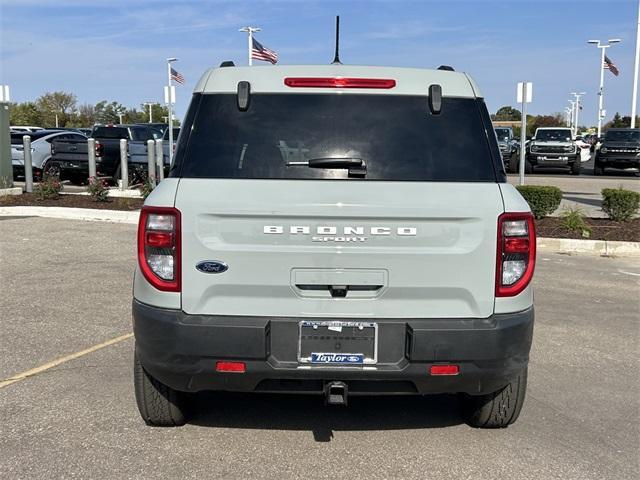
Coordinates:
620 149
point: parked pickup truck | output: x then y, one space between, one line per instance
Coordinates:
620 149
138 151
74 163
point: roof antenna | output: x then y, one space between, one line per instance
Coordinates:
336 59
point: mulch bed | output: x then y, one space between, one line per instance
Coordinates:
601 229
77 201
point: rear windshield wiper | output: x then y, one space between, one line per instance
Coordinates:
356 166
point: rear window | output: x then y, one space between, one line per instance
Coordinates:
110 132
396 137
16 138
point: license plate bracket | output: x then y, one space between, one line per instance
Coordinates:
337 343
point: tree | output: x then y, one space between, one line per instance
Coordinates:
56 104
507 113
540 121
159 113
108 112
26 113
620 122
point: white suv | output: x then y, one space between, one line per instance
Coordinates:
335 230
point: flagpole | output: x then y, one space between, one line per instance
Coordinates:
634 96
169 113
603 49
250 31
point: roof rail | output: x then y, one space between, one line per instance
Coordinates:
227 63
446 68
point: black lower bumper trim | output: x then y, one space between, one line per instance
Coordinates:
181 350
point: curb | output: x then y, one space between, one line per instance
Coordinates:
69 213
607 248
10 191
603 248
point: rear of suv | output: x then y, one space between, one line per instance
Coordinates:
339 231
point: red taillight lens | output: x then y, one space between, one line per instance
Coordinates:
516 255
159 248
444 370
233 367
338 82
99 149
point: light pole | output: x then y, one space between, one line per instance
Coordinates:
250 31
150 105
170 100
569 113
573 114
634 96
577 96
602 48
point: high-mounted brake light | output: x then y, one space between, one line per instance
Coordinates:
338 82
159 248
516 255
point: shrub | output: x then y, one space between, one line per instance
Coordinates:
573 219
48 188
543 201
620 204
147 188
98 189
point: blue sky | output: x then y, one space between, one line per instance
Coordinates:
115 49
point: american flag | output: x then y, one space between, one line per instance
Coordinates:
260 52
177 76
609 65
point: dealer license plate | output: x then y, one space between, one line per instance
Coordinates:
338 343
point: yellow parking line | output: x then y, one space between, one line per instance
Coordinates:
59 361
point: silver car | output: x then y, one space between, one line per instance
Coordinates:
40 150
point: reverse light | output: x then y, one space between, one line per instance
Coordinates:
231 367
516 253
159 247
338 82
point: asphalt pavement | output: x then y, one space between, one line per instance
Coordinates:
66 286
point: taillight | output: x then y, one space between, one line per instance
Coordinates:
99 149
516 256
159 247
338 82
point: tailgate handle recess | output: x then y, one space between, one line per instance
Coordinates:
340 291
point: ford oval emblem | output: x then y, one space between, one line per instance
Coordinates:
212 266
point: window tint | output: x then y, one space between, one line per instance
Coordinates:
110 132
395 136
622 136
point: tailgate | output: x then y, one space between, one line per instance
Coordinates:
339 249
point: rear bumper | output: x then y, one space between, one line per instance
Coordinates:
181 351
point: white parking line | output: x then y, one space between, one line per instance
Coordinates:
59 361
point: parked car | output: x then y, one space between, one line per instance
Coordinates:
75 163
41 141
303 243
620 149
553 147
509 148
24 128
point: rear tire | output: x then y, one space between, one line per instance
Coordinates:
51 169
159 405
495 410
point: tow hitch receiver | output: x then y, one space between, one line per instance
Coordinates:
336 393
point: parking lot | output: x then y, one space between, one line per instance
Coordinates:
66 287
